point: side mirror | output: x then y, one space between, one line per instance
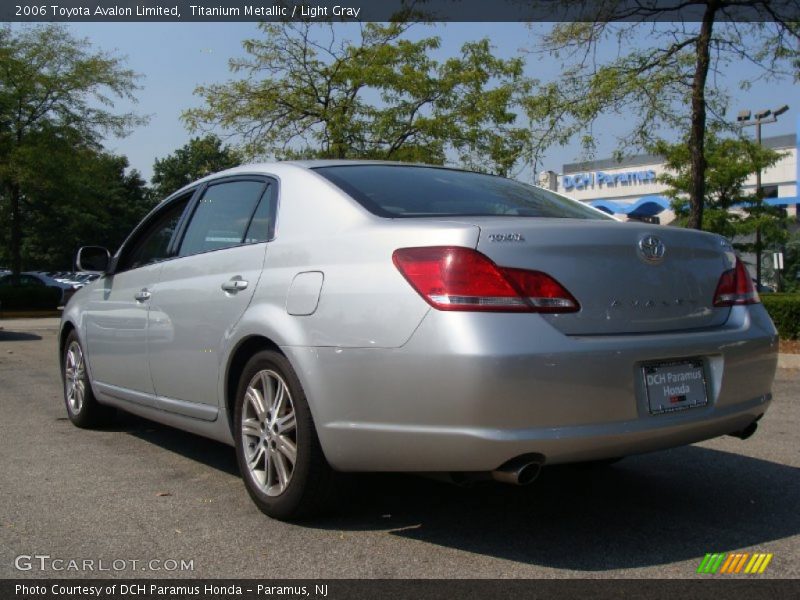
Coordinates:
94 259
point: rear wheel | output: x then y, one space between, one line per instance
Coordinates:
277 448
83 409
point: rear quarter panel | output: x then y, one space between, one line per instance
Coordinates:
364 301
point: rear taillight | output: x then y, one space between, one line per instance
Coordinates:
456 278
736 287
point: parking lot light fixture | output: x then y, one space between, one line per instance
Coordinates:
761 118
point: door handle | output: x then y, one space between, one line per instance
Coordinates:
142 295
235 285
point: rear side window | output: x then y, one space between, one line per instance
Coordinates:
222 217
413 191
262 225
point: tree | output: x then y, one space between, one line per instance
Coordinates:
307 95
729 210
201 156
81 195
53 87
666 83
791 263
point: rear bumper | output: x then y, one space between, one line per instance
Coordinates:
469 392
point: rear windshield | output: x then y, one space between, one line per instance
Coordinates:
414 191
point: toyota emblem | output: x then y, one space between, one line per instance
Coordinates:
652 249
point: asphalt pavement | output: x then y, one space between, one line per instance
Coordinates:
135 497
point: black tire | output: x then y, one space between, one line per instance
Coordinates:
264 454
83 409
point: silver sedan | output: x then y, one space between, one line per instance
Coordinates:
334 316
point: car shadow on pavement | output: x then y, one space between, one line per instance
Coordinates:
18 336
647 510
203 450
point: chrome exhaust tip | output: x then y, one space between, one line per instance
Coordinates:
518 471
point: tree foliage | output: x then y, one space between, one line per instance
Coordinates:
791 263
81 196
305 93
731 161
55 90
668 83
729 209
199 157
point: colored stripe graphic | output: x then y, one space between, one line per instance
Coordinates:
711 563
735 562
730 563
703 564
727 564
740 563
767 560
717 564
754 563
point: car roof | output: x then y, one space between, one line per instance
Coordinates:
318 163
280 167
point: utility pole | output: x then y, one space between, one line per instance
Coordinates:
744 120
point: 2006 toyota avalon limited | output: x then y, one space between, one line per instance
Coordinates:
352 316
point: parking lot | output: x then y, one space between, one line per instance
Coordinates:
140 492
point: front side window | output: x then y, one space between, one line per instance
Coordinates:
222 217
153 244
394 191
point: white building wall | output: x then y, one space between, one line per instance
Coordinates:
617 191
783 175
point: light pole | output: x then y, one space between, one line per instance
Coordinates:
761 118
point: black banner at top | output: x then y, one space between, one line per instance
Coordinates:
388 10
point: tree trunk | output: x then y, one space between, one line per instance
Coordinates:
698 124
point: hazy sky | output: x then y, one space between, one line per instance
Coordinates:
175 57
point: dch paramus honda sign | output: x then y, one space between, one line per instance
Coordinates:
600 179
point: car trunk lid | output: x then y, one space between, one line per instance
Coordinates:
603 264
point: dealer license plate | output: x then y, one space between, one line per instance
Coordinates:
675 385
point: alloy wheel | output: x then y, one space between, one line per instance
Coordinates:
74 372
269 432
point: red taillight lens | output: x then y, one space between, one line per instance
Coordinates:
455 278
736 287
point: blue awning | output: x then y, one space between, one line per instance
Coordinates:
650 206
647 206
786 201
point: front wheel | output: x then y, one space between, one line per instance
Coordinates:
277 448
83 409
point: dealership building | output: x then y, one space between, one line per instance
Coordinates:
629 188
